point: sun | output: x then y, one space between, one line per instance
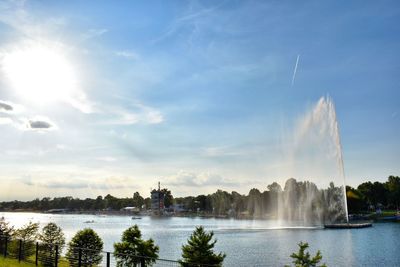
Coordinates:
40 74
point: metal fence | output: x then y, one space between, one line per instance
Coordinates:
42 254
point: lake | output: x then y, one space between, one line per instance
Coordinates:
246 242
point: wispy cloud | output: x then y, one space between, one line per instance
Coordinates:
190 179
127 54
112 182
93 33
133 114
107 159
189 17
5 120
15 15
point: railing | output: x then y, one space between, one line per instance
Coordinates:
42 254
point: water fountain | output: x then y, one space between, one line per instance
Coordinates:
316 155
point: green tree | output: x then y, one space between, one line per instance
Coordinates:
99 203
133 250
147 202
303 258
138 200
221 201
168 198
50 236
90 244
355 203
393 185
199 250
28 234
5 229
255 203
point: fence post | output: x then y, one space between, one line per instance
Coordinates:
142 262
80 257
37 253
20 250
5 246
108 259
56 257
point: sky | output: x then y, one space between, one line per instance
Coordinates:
99 97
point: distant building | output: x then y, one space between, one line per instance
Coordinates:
157 201
177 208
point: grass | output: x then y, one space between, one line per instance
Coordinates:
8 262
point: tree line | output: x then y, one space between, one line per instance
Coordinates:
256 204
371 196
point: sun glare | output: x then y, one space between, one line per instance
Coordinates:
40 74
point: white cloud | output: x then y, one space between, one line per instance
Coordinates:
112 182
138 113
107 159
127 54
191 179
5 120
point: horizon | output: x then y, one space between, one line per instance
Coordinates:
100 99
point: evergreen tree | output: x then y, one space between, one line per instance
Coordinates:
50 236
199 250
133 250
303 259
91 247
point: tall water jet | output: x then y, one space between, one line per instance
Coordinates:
316 159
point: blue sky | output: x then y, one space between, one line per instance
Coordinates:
111 98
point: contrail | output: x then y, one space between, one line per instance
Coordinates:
295 69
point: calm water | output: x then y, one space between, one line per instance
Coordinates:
246 242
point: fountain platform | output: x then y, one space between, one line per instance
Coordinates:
351 225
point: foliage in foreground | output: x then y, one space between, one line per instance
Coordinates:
303 258
91 247
28 234
5 229
132 246
199 250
